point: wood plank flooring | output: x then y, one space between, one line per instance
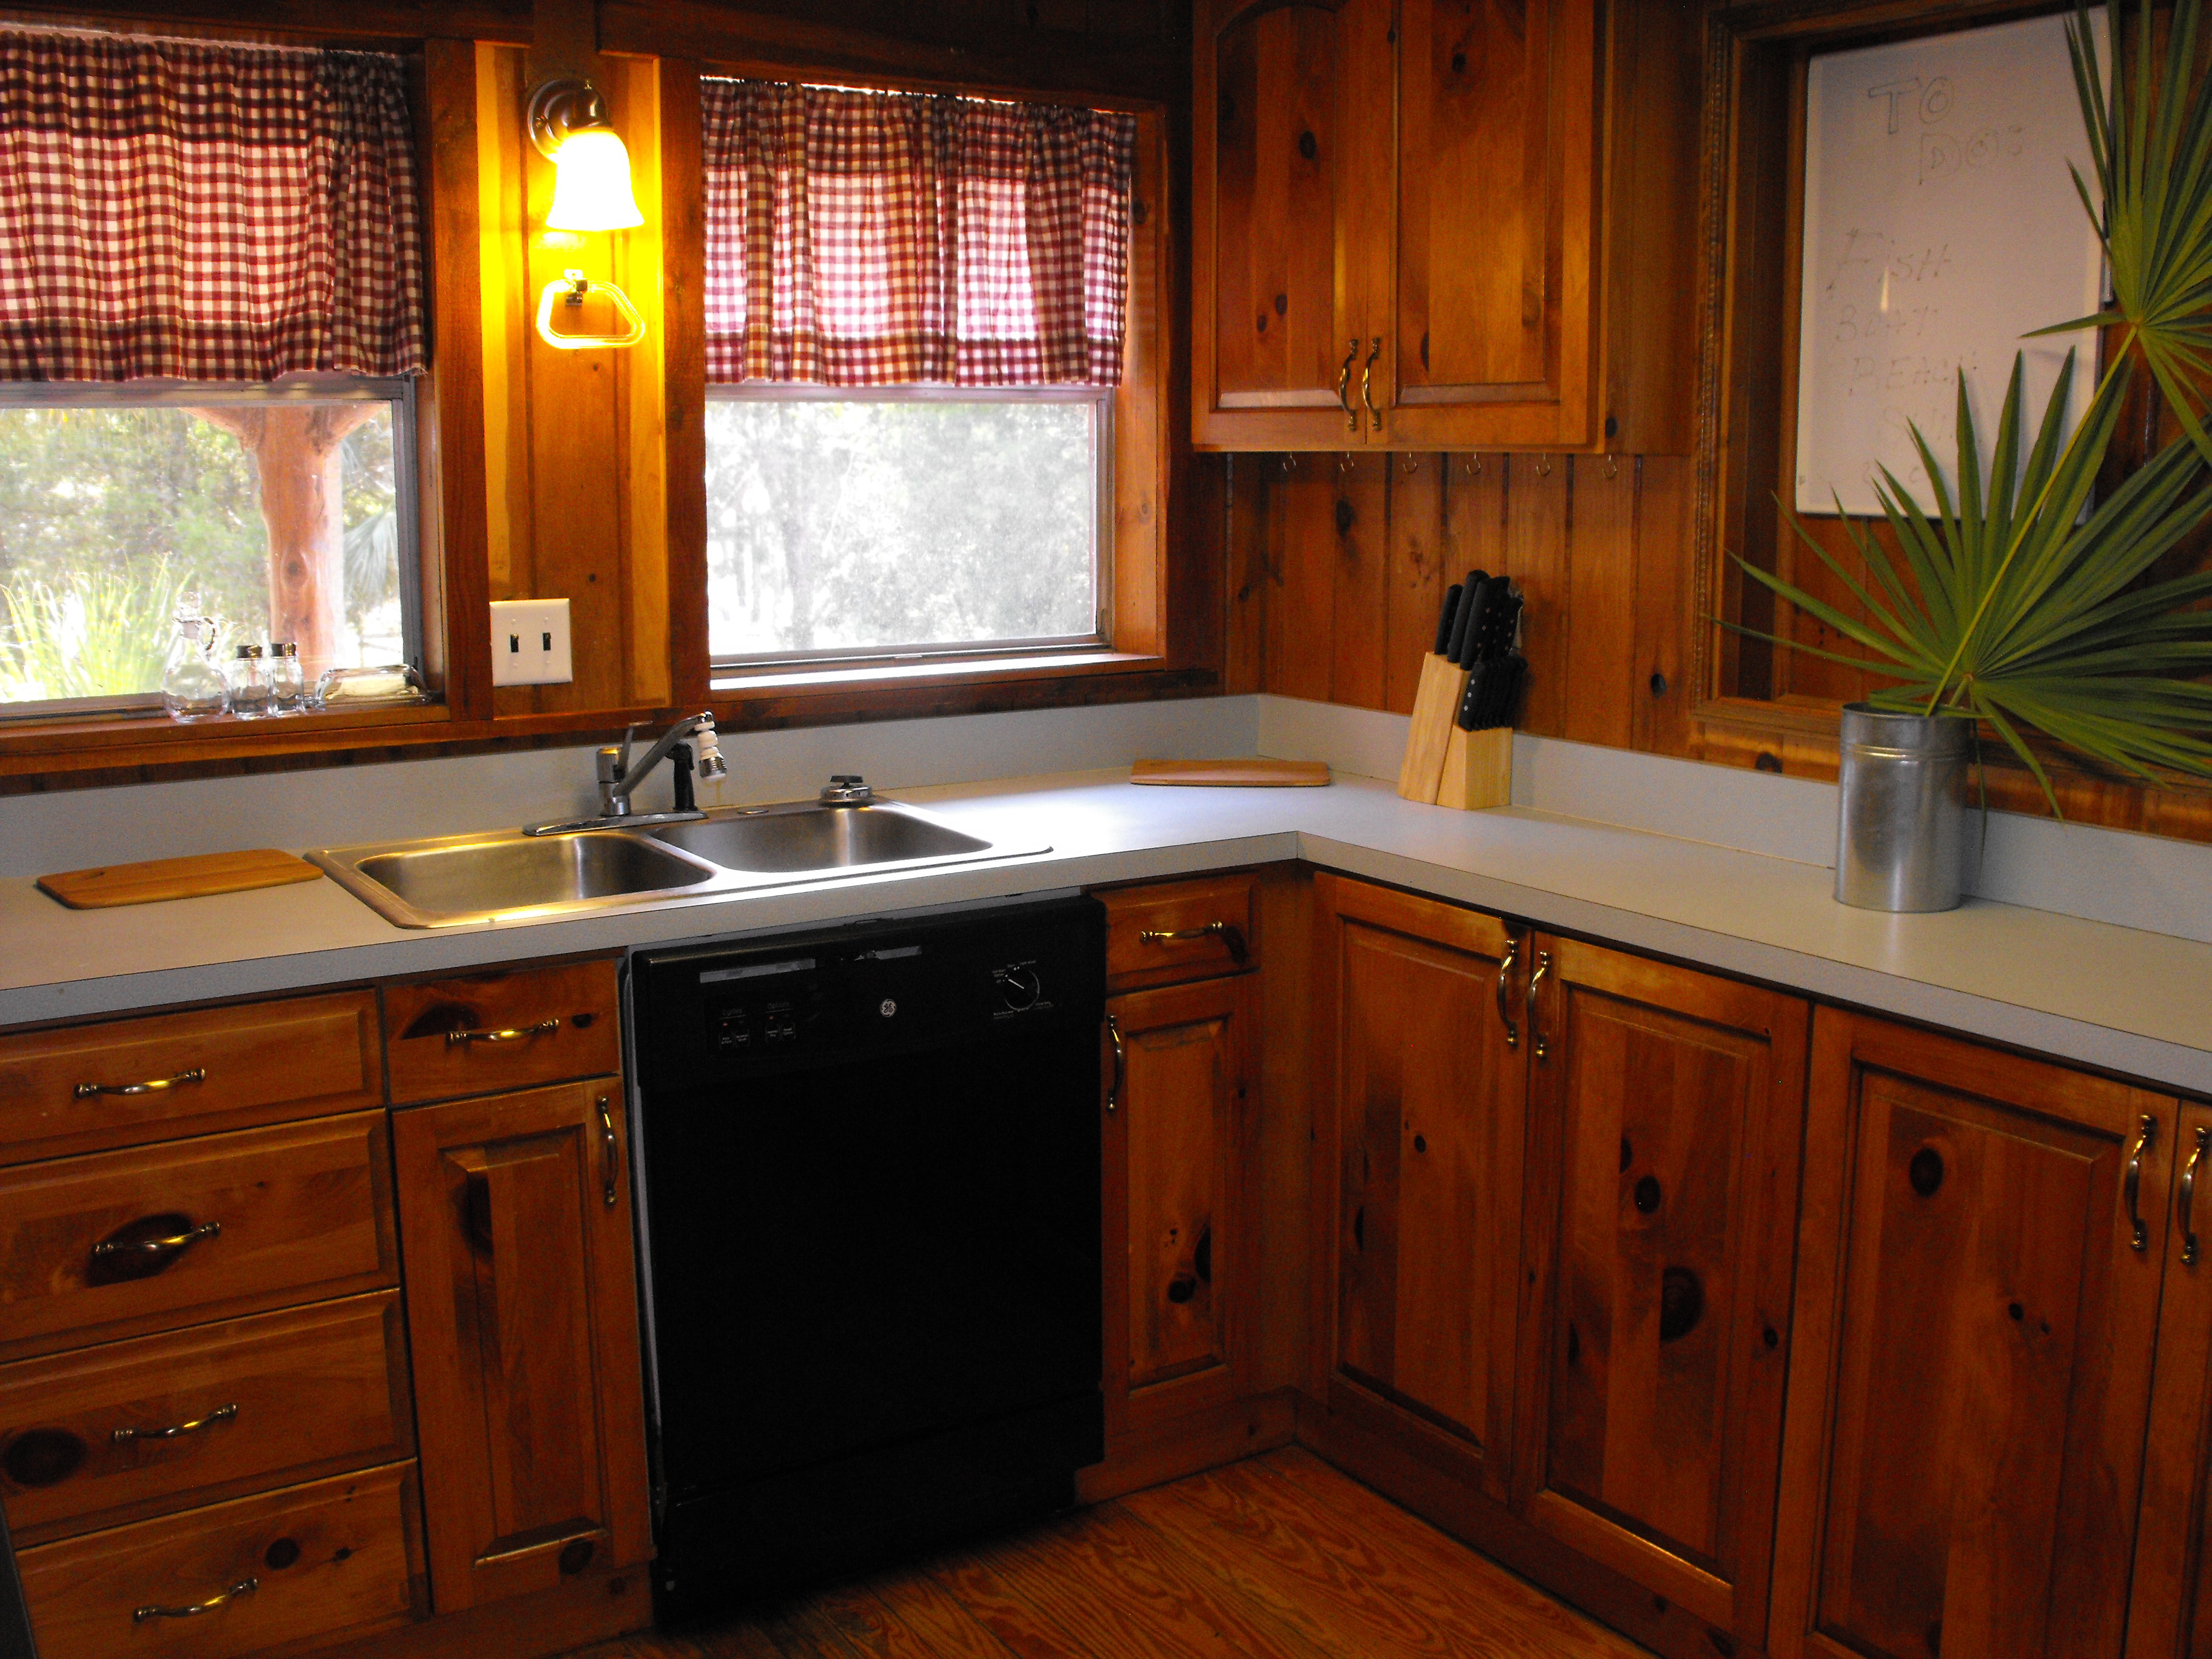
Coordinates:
1277 1557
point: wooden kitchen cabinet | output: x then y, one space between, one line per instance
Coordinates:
1666 1127
515 1216
1443 224
1417 1169
1970 1379
2170 1605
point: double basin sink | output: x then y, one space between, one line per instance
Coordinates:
461 879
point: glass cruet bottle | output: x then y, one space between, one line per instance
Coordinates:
193 688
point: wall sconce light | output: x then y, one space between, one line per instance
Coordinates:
590 192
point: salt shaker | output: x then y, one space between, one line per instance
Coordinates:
287 688
249 684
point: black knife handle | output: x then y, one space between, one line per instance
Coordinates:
1444 621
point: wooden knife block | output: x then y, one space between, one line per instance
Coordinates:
1444 765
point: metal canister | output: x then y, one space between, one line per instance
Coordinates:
1901 826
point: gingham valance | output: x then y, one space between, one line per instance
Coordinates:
204 211
859 238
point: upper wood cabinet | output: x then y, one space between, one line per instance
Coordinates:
1444 224
1984 1240
1665 1113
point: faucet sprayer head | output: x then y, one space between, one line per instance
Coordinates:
711 763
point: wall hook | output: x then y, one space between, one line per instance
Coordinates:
1543 466
1475 464
1290 462
1612 467
1343 462
1412 464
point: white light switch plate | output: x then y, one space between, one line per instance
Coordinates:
529 642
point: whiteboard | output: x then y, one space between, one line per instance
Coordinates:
1940 226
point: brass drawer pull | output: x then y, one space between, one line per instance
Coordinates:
2146 1132
1367 386
1120 1064
151 1086
219 1414
1542 1044
513 1034
611 1148
2188 1198
108 1248
1505 979
1344 383
243 1587
1227 932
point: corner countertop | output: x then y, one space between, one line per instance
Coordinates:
2116 998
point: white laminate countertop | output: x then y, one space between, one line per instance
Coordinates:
2130 1001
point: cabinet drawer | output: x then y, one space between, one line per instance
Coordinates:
302 1566
1184 930
127 1430
122 1082
450 1037
113 1243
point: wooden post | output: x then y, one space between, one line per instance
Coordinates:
295 449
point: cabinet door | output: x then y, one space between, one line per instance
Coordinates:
1422 1129
2170 1610
522 1317
1290 219
1497 127
1970 1372
1175 1143
1666 1123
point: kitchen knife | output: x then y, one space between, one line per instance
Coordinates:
1474 604
1470 706
1445 620
1463 621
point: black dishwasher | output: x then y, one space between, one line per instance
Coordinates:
870 1217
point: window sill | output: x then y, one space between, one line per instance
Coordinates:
934 672
144 739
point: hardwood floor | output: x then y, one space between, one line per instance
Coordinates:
1277 1557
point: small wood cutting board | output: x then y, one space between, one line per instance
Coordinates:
1234 774
173 878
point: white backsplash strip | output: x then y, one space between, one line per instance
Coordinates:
2151 882
78 829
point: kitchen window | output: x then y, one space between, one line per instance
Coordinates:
915 325
279 512
211 319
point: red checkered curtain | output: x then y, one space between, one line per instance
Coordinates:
857 239
204 212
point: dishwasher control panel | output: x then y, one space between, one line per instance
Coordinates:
881 987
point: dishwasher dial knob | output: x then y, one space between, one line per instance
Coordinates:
1017 986
887 1007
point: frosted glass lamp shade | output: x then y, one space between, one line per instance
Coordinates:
591 184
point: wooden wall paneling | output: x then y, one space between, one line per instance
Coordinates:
641 434
1248 578
1667 612
1282 1131
1474 516
456 638
1141 455
1302 626
1356 667
504 277
1535 556
1601 647
1415 574
684 376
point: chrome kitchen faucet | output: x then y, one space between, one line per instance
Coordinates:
619 776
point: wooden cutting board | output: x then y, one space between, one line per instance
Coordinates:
1233 774
174 878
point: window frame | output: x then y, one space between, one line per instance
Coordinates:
397 390
732 673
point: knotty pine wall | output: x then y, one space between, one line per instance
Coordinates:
1337 567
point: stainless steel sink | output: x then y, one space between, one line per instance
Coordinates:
462 879
804 838
432 883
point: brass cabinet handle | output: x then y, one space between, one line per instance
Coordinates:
2187 1201
513 1034
1367 387
1120 1064
243 1587
151 1086
1504 979
1344 383
219 1414
1542 1044
1228 932
184 1240
2146 1132
611 1148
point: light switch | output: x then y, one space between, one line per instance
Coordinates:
529 642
